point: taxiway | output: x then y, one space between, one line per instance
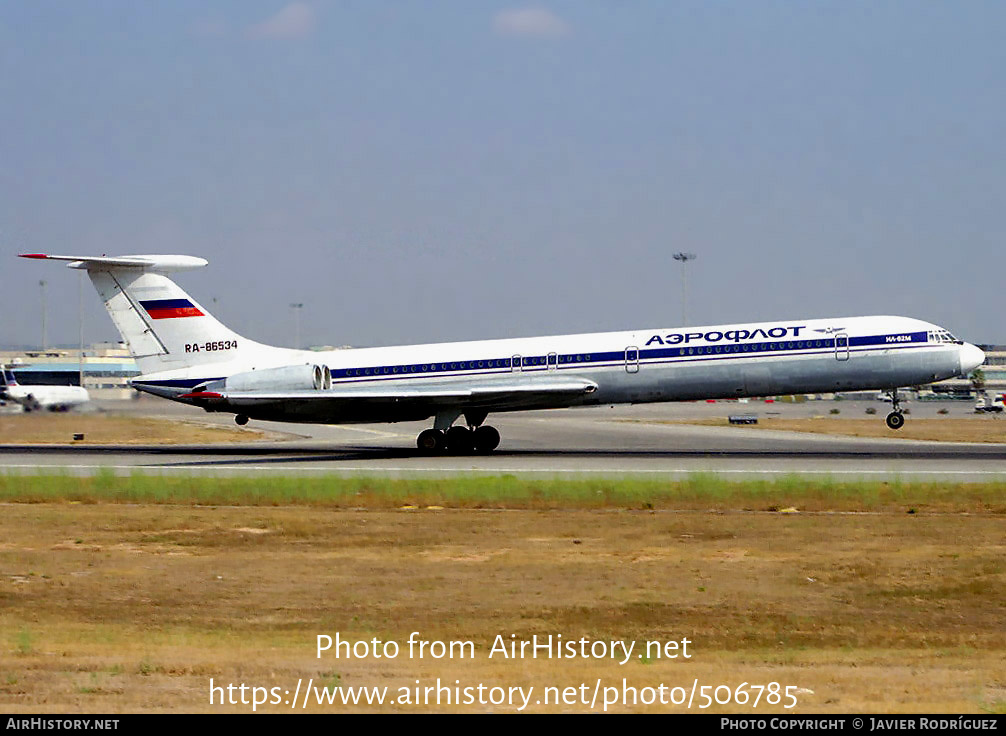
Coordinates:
613 441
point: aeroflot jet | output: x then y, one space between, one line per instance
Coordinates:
186 355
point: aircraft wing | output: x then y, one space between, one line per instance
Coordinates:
400 397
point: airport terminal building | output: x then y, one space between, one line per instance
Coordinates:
993 372
104 369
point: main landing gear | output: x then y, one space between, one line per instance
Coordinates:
476 437
895 420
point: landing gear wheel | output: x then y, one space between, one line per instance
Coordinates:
459 440
241 420
430 441
895 420
486 439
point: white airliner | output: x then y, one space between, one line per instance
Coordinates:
35 398
186 355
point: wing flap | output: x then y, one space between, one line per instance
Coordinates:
501 394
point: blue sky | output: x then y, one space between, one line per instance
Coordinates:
431 171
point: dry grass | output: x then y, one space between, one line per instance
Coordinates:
50 428
112 608
976 429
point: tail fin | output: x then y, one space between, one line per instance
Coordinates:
164 327
6 379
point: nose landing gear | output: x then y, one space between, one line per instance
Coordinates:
895 420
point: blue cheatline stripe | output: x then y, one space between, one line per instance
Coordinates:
895 339
573 361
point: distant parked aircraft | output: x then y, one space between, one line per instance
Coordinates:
35 398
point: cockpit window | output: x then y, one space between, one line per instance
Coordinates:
944 336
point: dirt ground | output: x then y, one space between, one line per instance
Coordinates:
99 429
118 608
972 429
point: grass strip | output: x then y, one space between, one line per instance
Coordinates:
698 491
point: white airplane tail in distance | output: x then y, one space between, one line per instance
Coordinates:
186 355
41 397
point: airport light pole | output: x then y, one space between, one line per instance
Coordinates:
683 258
44 336
296 307
80 330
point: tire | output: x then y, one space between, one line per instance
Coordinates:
430 441
487 439
459 440
895 420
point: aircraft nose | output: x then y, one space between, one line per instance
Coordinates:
971 357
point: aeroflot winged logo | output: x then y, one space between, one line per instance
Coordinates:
676 338
170 308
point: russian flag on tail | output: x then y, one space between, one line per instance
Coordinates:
170 308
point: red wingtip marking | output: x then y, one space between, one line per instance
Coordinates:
32 255
202 395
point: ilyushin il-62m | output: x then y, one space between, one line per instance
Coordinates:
186 355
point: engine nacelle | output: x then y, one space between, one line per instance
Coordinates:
287 378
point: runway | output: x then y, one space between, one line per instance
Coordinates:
601 441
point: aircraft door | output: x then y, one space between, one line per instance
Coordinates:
632 359
553 361
841 346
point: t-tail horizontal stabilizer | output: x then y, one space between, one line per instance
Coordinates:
161 263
